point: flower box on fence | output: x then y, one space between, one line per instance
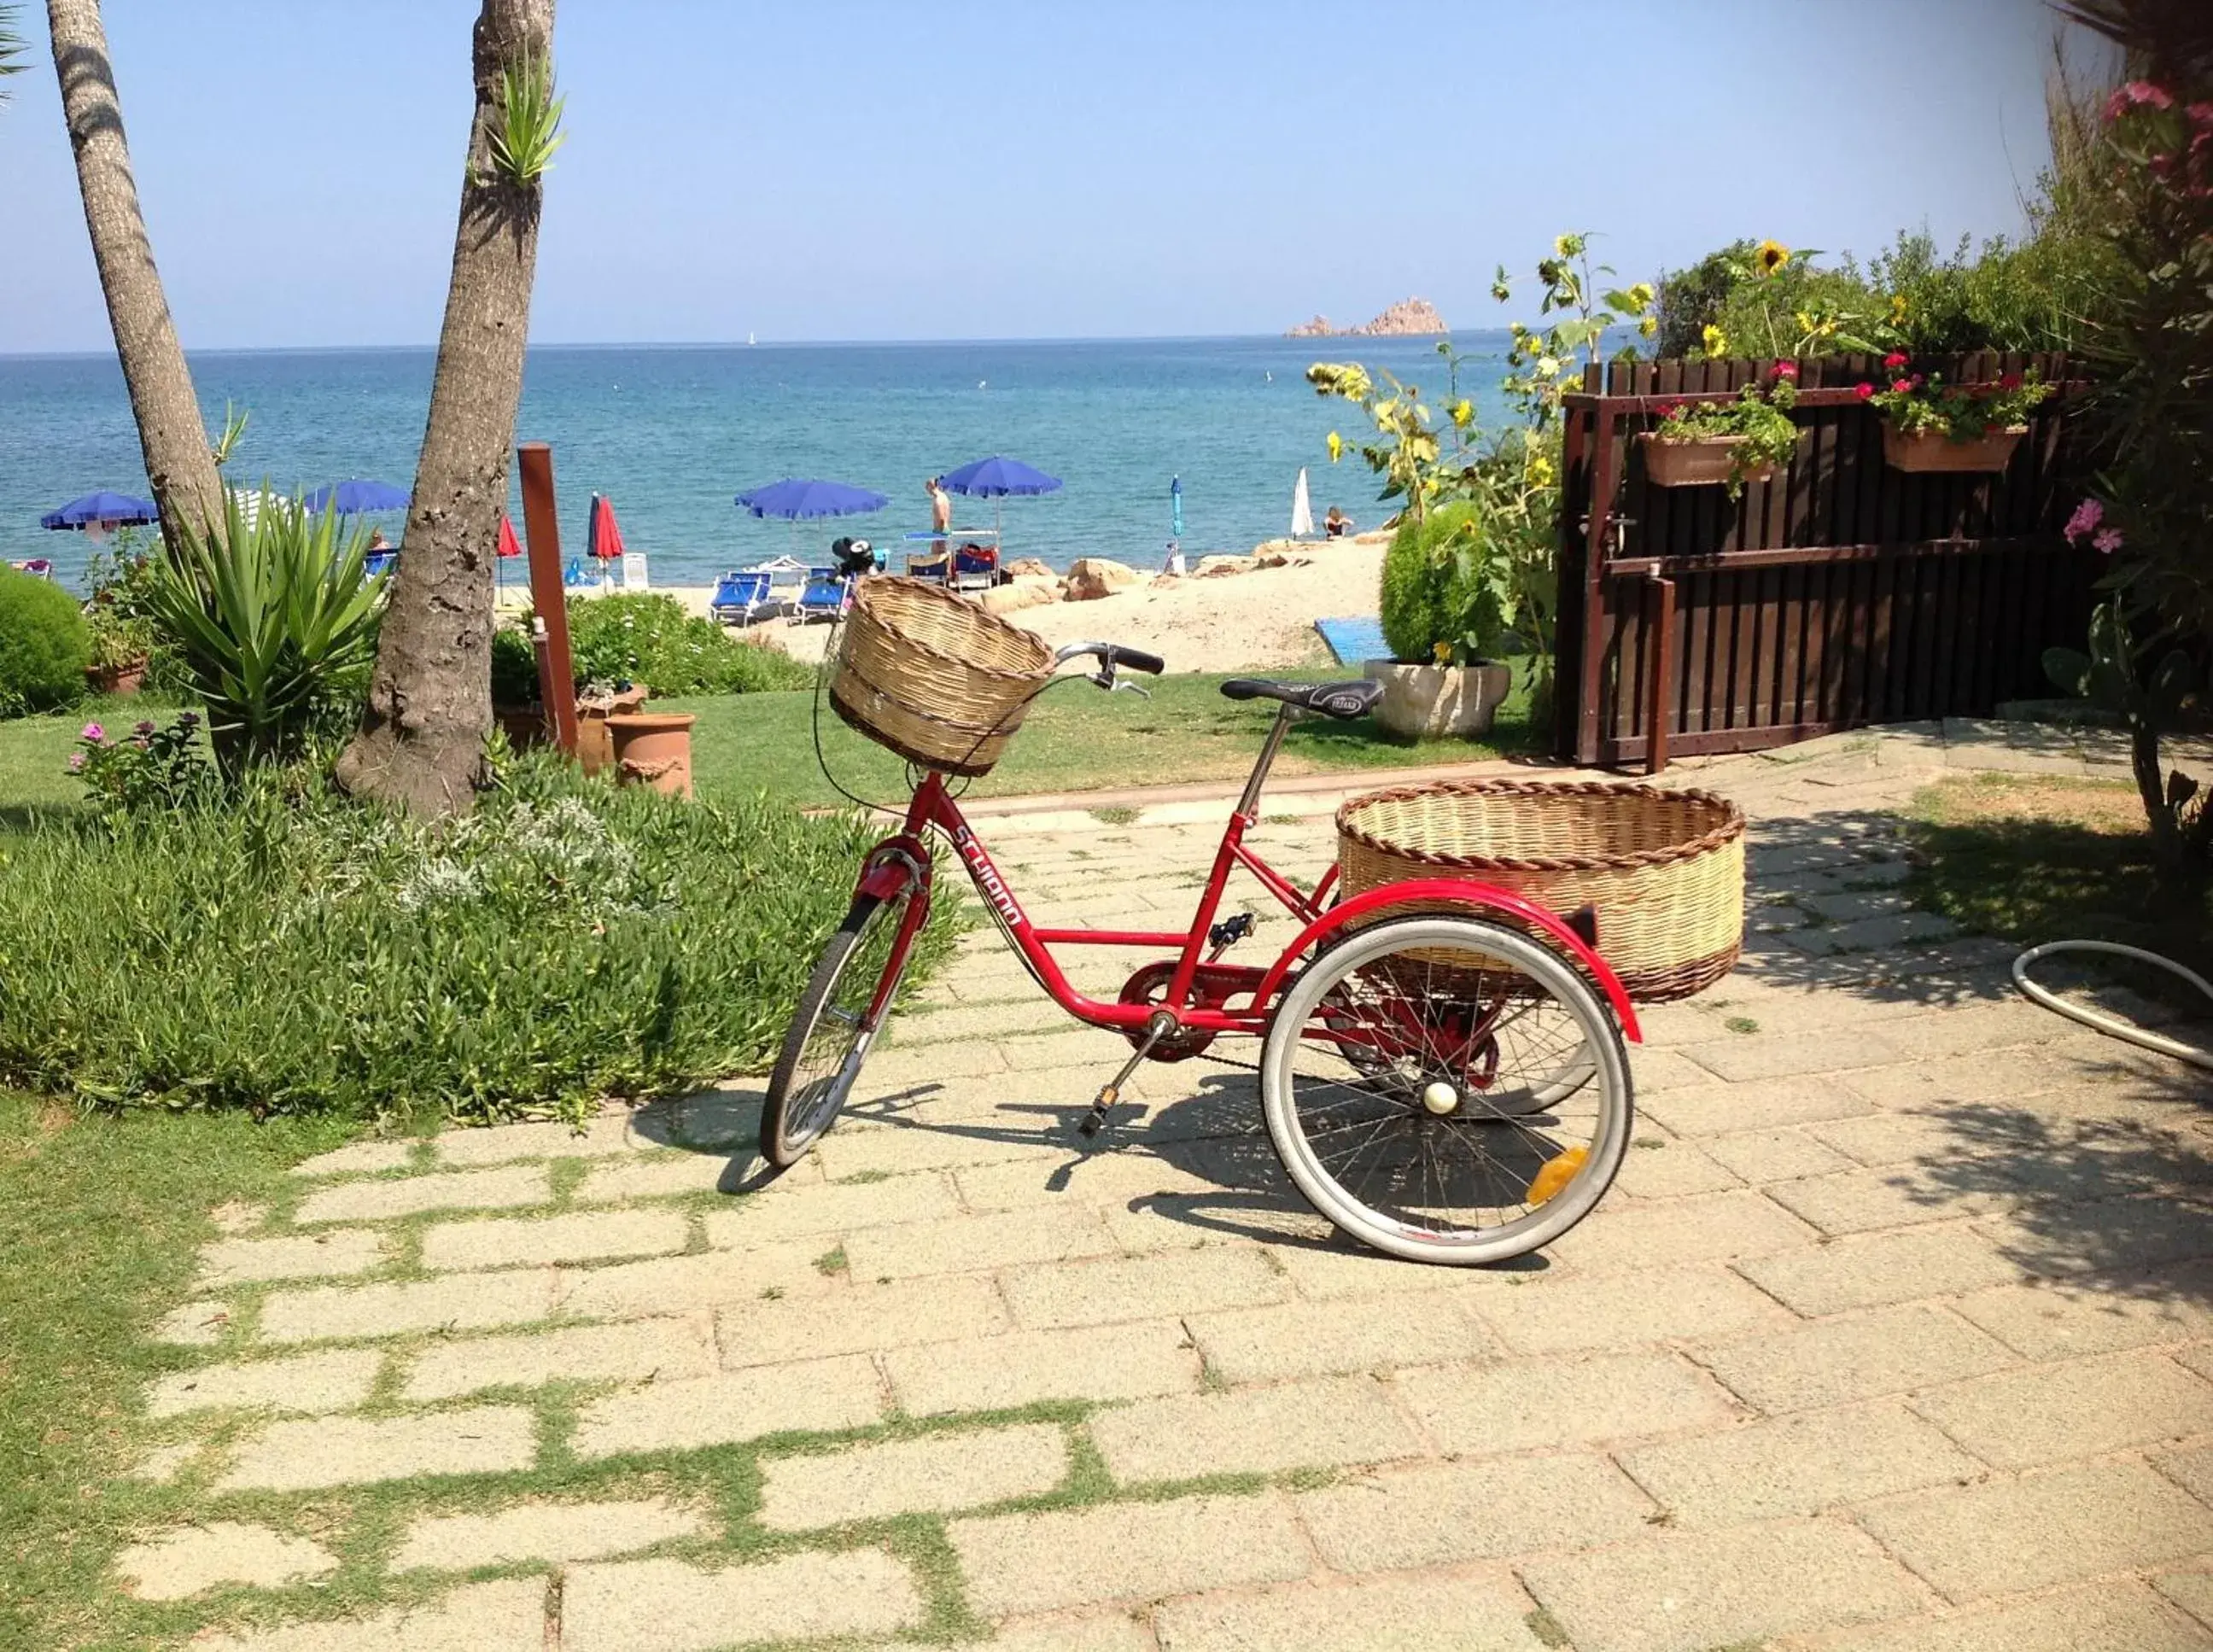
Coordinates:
1700 462
1934 451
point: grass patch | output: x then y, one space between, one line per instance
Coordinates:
99 1219
2033 860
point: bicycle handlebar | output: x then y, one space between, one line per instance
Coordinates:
1113 654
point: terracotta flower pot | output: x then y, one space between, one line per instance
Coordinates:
1698 462
596 748
654 748
117 680
1932 450
1429 702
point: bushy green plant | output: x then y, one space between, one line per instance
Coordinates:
44 646
118 577
1924 404
275 620
649 638
1447 596
287 950
1758 420
514 668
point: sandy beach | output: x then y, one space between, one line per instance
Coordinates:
1262 618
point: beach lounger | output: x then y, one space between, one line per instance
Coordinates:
36 567
379 562
975 568
742 597
825 596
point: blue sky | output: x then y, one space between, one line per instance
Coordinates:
853 169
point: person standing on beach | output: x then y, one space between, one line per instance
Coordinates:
941 509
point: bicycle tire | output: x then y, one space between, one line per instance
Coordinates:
788 1132
1294 1128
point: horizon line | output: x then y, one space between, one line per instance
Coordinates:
109 352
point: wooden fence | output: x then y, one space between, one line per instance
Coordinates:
1838 593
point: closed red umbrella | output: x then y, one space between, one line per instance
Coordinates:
605 537
509 545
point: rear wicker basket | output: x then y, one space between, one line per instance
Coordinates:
1664 870
934 678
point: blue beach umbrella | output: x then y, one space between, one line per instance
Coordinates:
357 498
995 478
793 498
103 508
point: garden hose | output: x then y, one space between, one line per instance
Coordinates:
2112 1026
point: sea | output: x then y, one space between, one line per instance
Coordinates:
672 434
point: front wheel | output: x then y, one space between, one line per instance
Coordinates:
1446 1089
837 1019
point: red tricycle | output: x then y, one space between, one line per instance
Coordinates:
1442 1063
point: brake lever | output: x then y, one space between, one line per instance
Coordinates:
1114 684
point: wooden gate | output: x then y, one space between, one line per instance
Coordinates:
1840 592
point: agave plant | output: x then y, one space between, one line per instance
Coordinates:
528 129
274 615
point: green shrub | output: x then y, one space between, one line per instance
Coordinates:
514 668
275 622
44 646
648 637
1445 593
291 951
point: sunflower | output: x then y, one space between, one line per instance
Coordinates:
1772 256
1716 341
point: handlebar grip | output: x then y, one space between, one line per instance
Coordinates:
1134 660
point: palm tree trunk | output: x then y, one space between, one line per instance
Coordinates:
421 741
170 431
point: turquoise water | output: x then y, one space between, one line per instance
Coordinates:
671 435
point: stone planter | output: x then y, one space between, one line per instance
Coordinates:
1436 702
116 680
1931 451
654 748
1701 462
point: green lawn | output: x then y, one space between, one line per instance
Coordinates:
100 1222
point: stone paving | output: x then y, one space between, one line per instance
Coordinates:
1895 1335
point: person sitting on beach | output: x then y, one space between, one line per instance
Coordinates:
1337 524
376 542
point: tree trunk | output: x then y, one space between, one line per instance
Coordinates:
170 431
422 737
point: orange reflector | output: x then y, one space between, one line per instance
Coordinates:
1557 1174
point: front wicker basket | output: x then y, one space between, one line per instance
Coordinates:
1664 870
934 678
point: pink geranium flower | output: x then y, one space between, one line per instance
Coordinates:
93 733
77 762
2084 522
1865 391
2136 95
1896 359
2108 541
1786 369
1901 386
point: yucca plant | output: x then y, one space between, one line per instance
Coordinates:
274 615
527 128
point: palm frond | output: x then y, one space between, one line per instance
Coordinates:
12 49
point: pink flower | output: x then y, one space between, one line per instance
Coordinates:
93 733
142 727
1901 386
2008 381
1896 359
77 762
2084 521
1865 391
2108 542
1786 369
2137 94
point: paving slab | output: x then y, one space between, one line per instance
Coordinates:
502 1617
1441 1513
357 1451
966 1244
199 1324
1615 1311
292 1256
2124 1617
1536 1405
1133 1552
1409 1614
1716 1109
1323 1422
1862 1356
2193 1592
815 1396
2193 1470
1128 1361
1763 1056
638 1351
2043 1528
404 1196
671 1605
1873 1270
1692 1591
677 1284
660 1176
504 1144
543 1531
2079 1408
1298 1339
941 1474
459 1302
358 1159
777 1213
176 1565
1180 1282
865 1316
585 1236
334 1379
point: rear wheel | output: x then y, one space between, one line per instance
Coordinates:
1446 1089
831 1031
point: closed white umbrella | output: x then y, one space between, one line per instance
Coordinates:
1302 508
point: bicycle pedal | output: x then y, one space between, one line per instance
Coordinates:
1095 1120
